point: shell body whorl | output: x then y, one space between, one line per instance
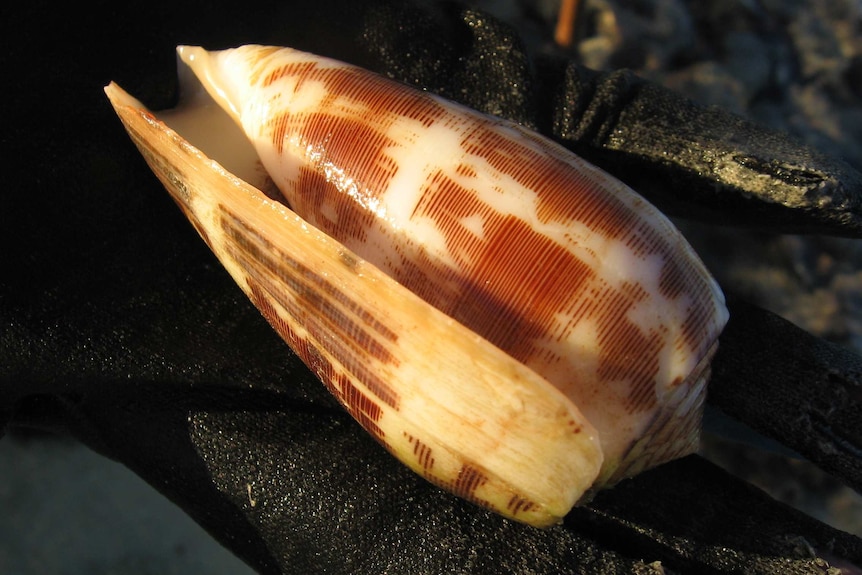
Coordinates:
553 261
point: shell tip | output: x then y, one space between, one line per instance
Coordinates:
189 54
119 97
209 71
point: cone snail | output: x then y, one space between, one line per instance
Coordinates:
508 320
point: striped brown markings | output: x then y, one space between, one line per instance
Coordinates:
567 195
358 405
537 271
511 306
331 317
661 442
564 194
259 63
626 352
469 479
422 452
291 70
352 143
518 504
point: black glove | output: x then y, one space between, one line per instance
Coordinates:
119 327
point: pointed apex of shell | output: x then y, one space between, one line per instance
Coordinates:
189 53
215 75
119 97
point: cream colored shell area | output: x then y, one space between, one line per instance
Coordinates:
567 351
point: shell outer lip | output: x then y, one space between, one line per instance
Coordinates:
510 441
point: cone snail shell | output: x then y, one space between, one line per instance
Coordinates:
508 320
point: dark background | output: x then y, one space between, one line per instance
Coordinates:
118 327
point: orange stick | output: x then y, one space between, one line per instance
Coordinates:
565 32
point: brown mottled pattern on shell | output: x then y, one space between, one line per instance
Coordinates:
361 407
469 479
518 504
356 144
365 411
661 442
320 192
512 284
263 260
423 453
466 482
509 305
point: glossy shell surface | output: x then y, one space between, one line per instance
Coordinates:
549 258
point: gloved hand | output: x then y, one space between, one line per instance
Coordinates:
120 328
